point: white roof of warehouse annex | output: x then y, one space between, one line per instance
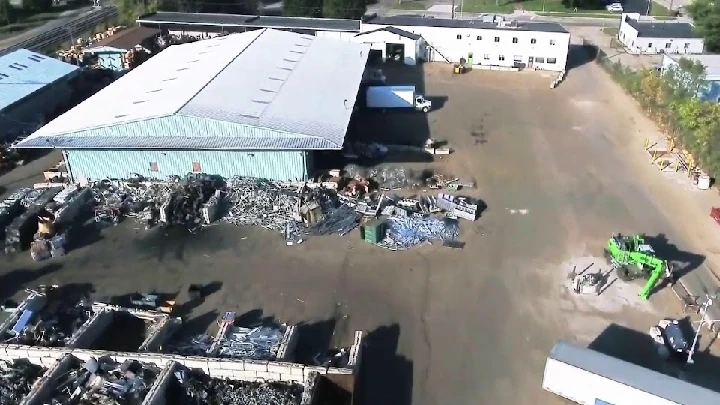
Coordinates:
263 89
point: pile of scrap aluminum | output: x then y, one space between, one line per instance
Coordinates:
200 389
198 345
180 202
17 379
404 233
52 326
105 382
21 231
260 343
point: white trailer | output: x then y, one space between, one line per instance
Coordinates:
396 97
588 377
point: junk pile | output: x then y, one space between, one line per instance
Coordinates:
403 233
105 382
187 202
17 379
260 343
49 322
197 388
40 218
198 345
258 202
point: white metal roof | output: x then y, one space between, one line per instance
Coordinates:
711 63
290 83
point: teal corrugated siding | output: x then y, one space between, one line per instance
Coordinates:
121 164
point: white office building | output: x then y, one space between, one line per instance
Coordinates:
654 37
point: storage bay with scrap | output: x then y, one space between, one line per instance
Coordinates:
378 201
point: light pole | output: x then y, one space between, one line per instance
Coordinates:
703 314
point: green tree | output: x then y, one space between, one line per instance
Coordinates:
706 16
37 6
685 80
354 9
130 10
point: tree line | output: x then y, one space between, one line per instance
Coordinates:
671 99
706 17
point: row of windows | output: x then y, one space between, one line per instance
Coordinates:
669 44
196 168
519 58
514 40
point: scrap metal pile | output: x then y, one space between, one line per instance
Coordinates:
198 345
17 379
197 388
187 202
403 233
105 382
260 343
53 326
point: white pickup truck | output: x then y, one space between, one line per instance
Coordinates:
396 97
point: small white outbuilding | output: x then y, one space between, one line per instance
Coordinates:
393 44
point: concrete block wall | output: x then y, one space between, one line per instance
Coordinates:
43 356
91 330
356 351
288 344
159 333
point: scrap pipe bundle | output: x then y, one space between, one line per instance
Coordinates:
403 233
258 202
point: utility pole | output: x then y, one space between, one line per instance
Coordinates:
453 10
703 320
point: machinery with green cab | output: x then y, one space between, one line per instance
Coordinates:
633 258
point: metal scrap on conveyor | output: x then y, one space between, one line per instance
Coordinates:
260 343
17 379
105 382
403 233
199 389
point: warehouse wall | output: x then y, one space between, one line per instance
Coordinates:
122 164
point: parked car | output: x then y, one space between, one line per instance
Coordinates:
615 8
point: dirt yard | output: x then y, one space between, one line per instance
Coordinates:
560 171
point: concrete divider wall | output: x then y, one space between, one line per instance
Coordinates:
286 352
156 396
356 351
91 330
43 387
43 356
158 334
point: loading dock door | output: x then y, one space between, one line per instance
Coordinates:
395 52
375 56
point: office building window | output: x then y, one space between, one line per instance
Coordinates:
687 45
667 45
501 57
551 61
459 37
497 39
154 167
533 40
539 59
552 42
514 40
196 167
479 38
486 57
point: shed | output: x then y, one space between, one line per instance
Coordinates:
33 86
252 104
394 44
111 51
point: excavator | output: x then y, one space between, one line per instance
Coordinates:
633 258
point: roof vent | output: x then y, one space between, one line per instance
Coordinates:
170 79
154 91
182 68
138 102
14 67
121 115
21 65
3 75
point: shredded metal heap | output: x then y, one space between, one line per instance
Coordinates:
17 380
199 389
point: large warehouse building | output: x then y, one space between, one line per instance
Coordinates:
32 86
253 104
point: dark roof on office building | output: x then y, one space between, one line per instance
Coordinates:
631 375
127 39
393 30
248 21
662 30
417 21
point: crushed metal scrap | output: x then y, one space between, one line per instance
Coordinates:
17 379
105 382
259 343
196 388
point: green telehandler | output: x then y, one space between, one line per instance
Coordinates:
633 258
